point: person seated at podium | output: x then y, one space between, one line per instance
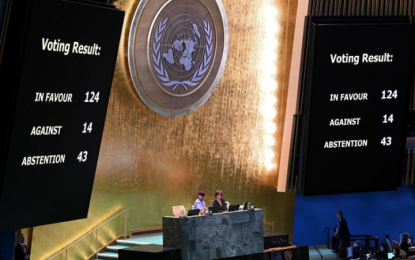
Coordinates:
200 203
219 202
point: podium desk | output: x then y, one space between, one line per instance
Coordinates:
215 236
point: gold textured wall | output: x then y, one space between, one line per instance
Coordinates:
149 162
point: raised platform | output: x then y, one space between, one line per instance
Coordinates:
213 233
272 240
149 252
157 252
215 236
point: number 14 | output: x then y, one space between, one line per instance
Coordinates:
387 119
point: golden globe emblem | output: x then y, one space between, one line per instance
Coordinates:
177 52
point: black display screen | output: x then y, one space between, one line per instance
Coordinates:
58 115
357 82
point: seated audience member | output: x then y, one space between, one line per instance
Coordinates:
219 202
357 253
200 203
396 253
405 243
383 252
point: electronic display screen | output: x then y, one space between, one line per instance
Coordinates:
353 127
62 94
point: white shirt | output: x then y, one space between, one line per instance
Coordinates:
199 204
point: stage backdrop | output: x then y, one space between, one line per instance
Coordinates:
149 162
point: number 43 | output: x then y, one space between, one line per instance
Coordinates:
82 157
386 141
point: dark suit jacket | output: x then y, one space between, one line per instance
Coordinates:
405 245
344 233
216 204
19 252
382 254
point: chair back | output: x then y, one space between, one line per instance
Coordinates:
177 210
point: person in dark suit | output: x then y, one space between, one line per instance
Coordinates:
405 243
383 252
219 202
342 236
20 251
343 232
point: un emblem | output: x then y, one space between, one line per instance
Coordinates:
177 53
182 45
